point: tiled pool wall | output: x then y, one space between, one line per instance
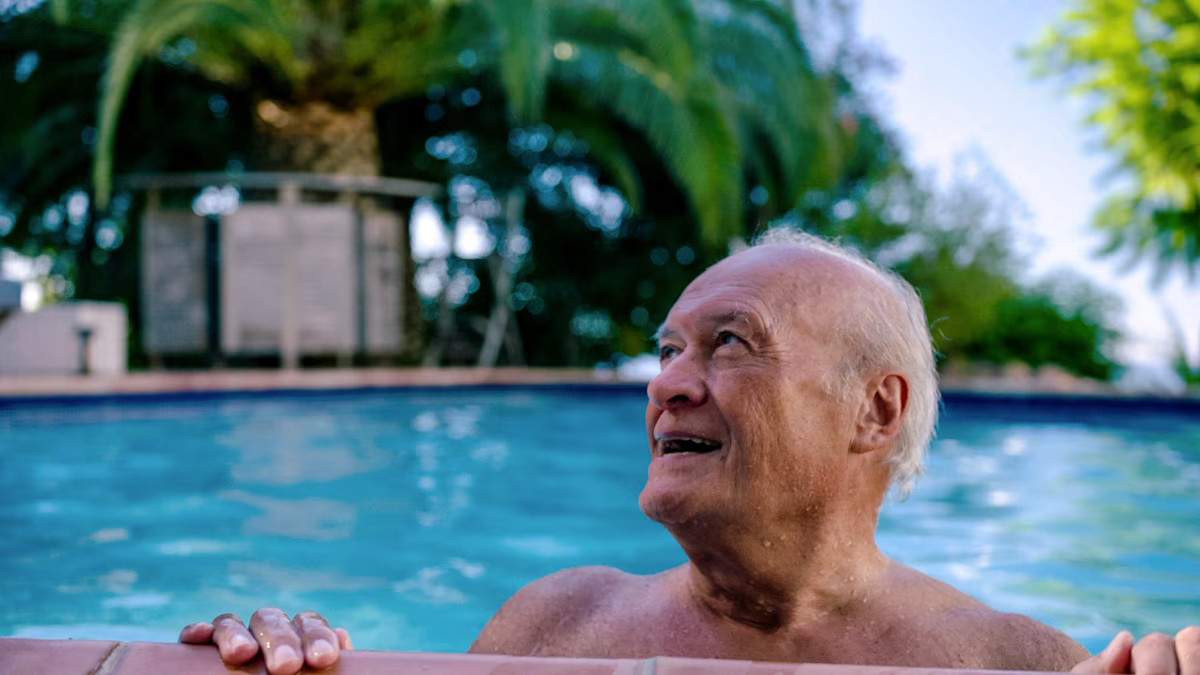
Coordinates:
1006 396
95 657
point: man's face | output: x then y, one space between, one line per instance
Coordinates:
740 422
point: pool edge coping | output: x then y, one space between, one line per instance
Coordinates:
223 382
92 657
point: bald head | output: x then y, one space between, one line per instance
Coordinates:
800 284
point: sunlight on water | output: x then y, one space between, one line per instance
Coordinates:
1087 521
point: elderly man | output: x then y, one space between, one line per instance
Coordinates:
797 388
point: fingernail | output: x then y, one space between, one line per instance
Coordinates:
284 654
239 641
319 648
1112 646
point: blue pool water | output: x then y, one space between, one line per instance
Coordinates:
409 516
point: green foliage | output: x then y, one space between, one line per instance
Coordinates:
1186 368
1063 322
590 288
964 261
47 137
724 92
961 255
43 151
1137 62
341 53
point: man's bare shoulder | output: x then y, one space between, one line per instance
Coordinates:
536 619
968 634
983 638
1020 642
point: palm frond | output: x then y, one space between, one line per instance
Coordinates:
153 24
521 31
606 146
683 121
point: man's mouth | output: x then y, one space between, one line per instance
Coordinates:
677 446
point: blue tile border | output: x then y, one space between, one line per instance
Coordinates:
1033 403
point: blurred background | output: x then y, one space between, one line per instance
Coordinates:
282 183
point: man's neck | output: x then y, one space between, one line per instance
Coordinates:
769 578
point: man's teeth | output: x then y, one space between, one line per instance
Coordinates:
677 445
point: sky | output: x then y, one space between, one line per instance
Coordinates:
960 86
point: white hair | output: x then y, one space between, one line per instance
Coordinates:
891 332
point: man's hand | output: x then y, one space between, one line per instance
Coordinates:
1155 654
286 645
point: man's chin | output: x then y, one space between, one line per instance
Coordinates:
667 506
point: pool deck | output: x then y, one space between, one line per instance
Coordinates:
88 657
175 382
210 381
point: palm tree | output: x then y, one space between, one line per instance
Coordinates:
317 71
711 85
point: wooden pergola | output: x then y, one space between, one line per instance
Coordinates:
298 264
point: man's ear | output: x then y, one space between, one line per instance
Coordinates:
882 413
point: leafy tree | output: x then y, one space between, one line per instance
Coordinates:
957 246
1137 62
1063 321
961 254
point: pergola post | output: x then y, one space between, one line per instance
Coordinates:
289 332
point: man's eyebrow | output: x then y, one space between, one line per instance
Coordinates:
733 316
663 332
721 319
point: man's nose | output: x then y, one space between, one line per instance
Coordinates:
680 384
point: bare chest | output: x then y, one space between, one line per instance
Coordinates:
644 631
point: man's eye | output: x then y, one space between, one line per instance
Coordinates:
666 351
727 338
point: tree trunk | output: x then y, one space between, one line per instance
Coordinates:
503 268
315 137
445 317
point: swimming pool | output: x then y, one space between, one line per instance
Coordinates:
409 516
